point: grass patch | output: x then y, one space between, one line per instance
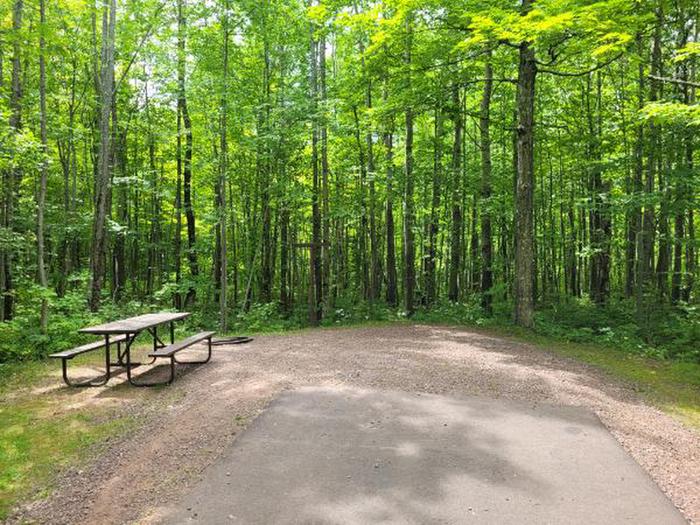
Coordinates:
38 437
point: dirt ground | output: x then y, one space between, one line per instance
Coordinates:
185 427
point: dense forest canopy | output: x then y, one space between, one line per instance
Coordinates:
306 158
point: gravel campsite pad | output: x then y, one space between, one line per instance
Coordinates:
189 426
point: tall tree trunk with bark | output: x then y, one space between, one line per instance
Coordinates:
456 231
264 169
645 249
325 188
409 249
600 214
485 146
434 216
374 267
392 297
104 171
12 176
525 184
187 161
315 277
44 169
223 172
634 235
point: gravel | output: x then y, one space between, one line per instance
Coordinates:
184 428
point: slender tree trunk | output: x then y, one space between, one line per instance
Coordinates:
434 217
645 249
316 278
104 172
264 163
375 275
392 297
363 267
600 215
525 185
409 249
223 173
325 188
485 145
690 248
12 176
187 161
456 232
633 284
284 215
119 270
41 197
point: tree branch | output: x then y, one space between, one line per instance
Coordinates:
675 81
581 73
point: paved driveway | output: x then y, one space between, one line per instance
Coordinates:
357 456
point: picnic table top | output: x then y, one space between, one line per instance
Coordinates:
134 324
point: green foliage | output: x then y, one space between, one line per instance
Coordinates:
672 113
21 338
668 334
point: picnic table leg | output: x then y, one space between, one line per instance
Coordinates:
201 362
157 343
131 379
91 382
107 358
172 333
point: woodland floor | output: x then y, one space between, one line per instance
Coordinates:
183 429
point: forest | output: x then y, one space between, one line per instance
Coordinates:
284 163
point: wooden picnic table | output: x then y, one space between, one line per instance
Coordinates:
124 332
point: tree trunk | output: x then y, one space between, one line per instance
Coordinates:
187 162
119 270
223 173
434 217
315 277
263 161
485 146
12 177
600 215
456 232
525 184
41 197
645 249
409 250
392 297
325 188
104 171
375 276
362 266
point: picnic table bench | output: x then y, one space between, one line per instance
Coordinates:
123 333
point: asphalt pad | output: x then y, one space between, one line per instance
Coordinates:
350 456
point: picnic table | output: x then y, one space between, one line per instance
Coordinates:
123 333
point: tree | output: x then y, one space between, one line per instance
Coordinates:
44 170
409 255
12 176
104 172
485 146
